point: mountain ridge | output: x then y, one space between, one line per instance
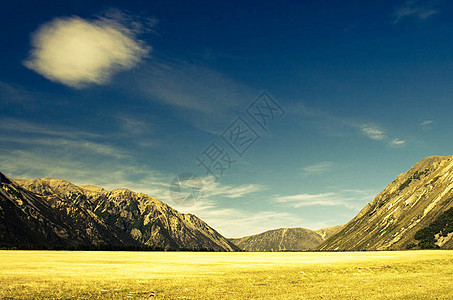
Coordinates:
412 202
32 221
142 221
285 239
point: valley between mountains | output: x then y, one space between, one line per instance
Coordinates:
415 211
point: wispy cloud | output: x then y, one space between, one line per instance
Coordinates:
417 9
12 94
122 174
201 96
427 125
30 150
333 125
351 199
131 125
234 222
214 188
15 131
208 191
79 145
301 200
373 132
397 142
78 52
191 86
325 121
8 125
317 168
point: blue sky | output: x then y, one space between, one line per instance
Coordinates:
129 95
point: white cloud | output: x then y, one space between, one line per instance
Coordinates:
78 52
397 142
215 188
206 191
300 200
352 199
373 132
190 193
417 9
427 122
317 168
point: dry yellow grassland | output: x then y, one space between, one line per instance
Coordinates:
240 275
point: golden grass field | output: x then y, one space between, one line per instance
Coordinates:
242 275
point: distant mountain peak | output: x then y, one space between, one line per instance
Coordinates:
285 239
93 188
122 191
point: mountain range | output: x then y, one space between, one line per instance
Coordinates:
56 214
415 211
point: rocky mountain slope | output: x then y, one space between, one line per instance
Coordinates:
285 239
101 218
32 221
412 212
